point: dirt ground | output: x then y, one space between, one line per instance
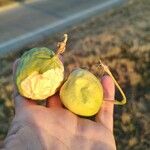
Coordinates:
5 2
121 39
9 2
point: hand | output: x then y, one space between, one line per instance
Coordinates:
52 127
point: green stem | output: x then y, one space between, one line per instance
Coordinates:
123 101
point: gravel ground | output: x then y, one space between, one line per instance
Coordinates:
121 39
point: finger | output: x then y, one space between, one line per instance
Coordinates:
54 101
105 115
19 101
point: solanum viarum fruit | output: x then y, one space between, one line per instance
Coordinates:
82 93
40 72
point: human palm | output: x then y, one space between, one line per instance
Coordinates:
53 127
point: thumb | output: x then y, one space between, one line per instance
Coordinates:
19 101
105 115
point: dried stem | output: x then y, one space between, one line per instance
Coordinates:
61 46
106 69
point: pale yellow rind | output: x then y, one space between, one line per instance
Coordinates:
40 86
82 93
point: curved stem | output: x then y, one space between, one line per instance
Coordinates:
62 45
106 69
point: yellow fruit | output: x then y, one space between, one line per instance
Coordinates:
82 93
39 73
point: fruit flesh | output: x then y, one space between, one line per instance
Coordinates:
40 86
82 93
39 73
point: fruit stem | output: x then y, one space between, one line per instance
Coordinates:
61 46
106 69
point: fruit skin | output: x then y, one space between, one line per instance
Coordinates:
82 93
39 73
